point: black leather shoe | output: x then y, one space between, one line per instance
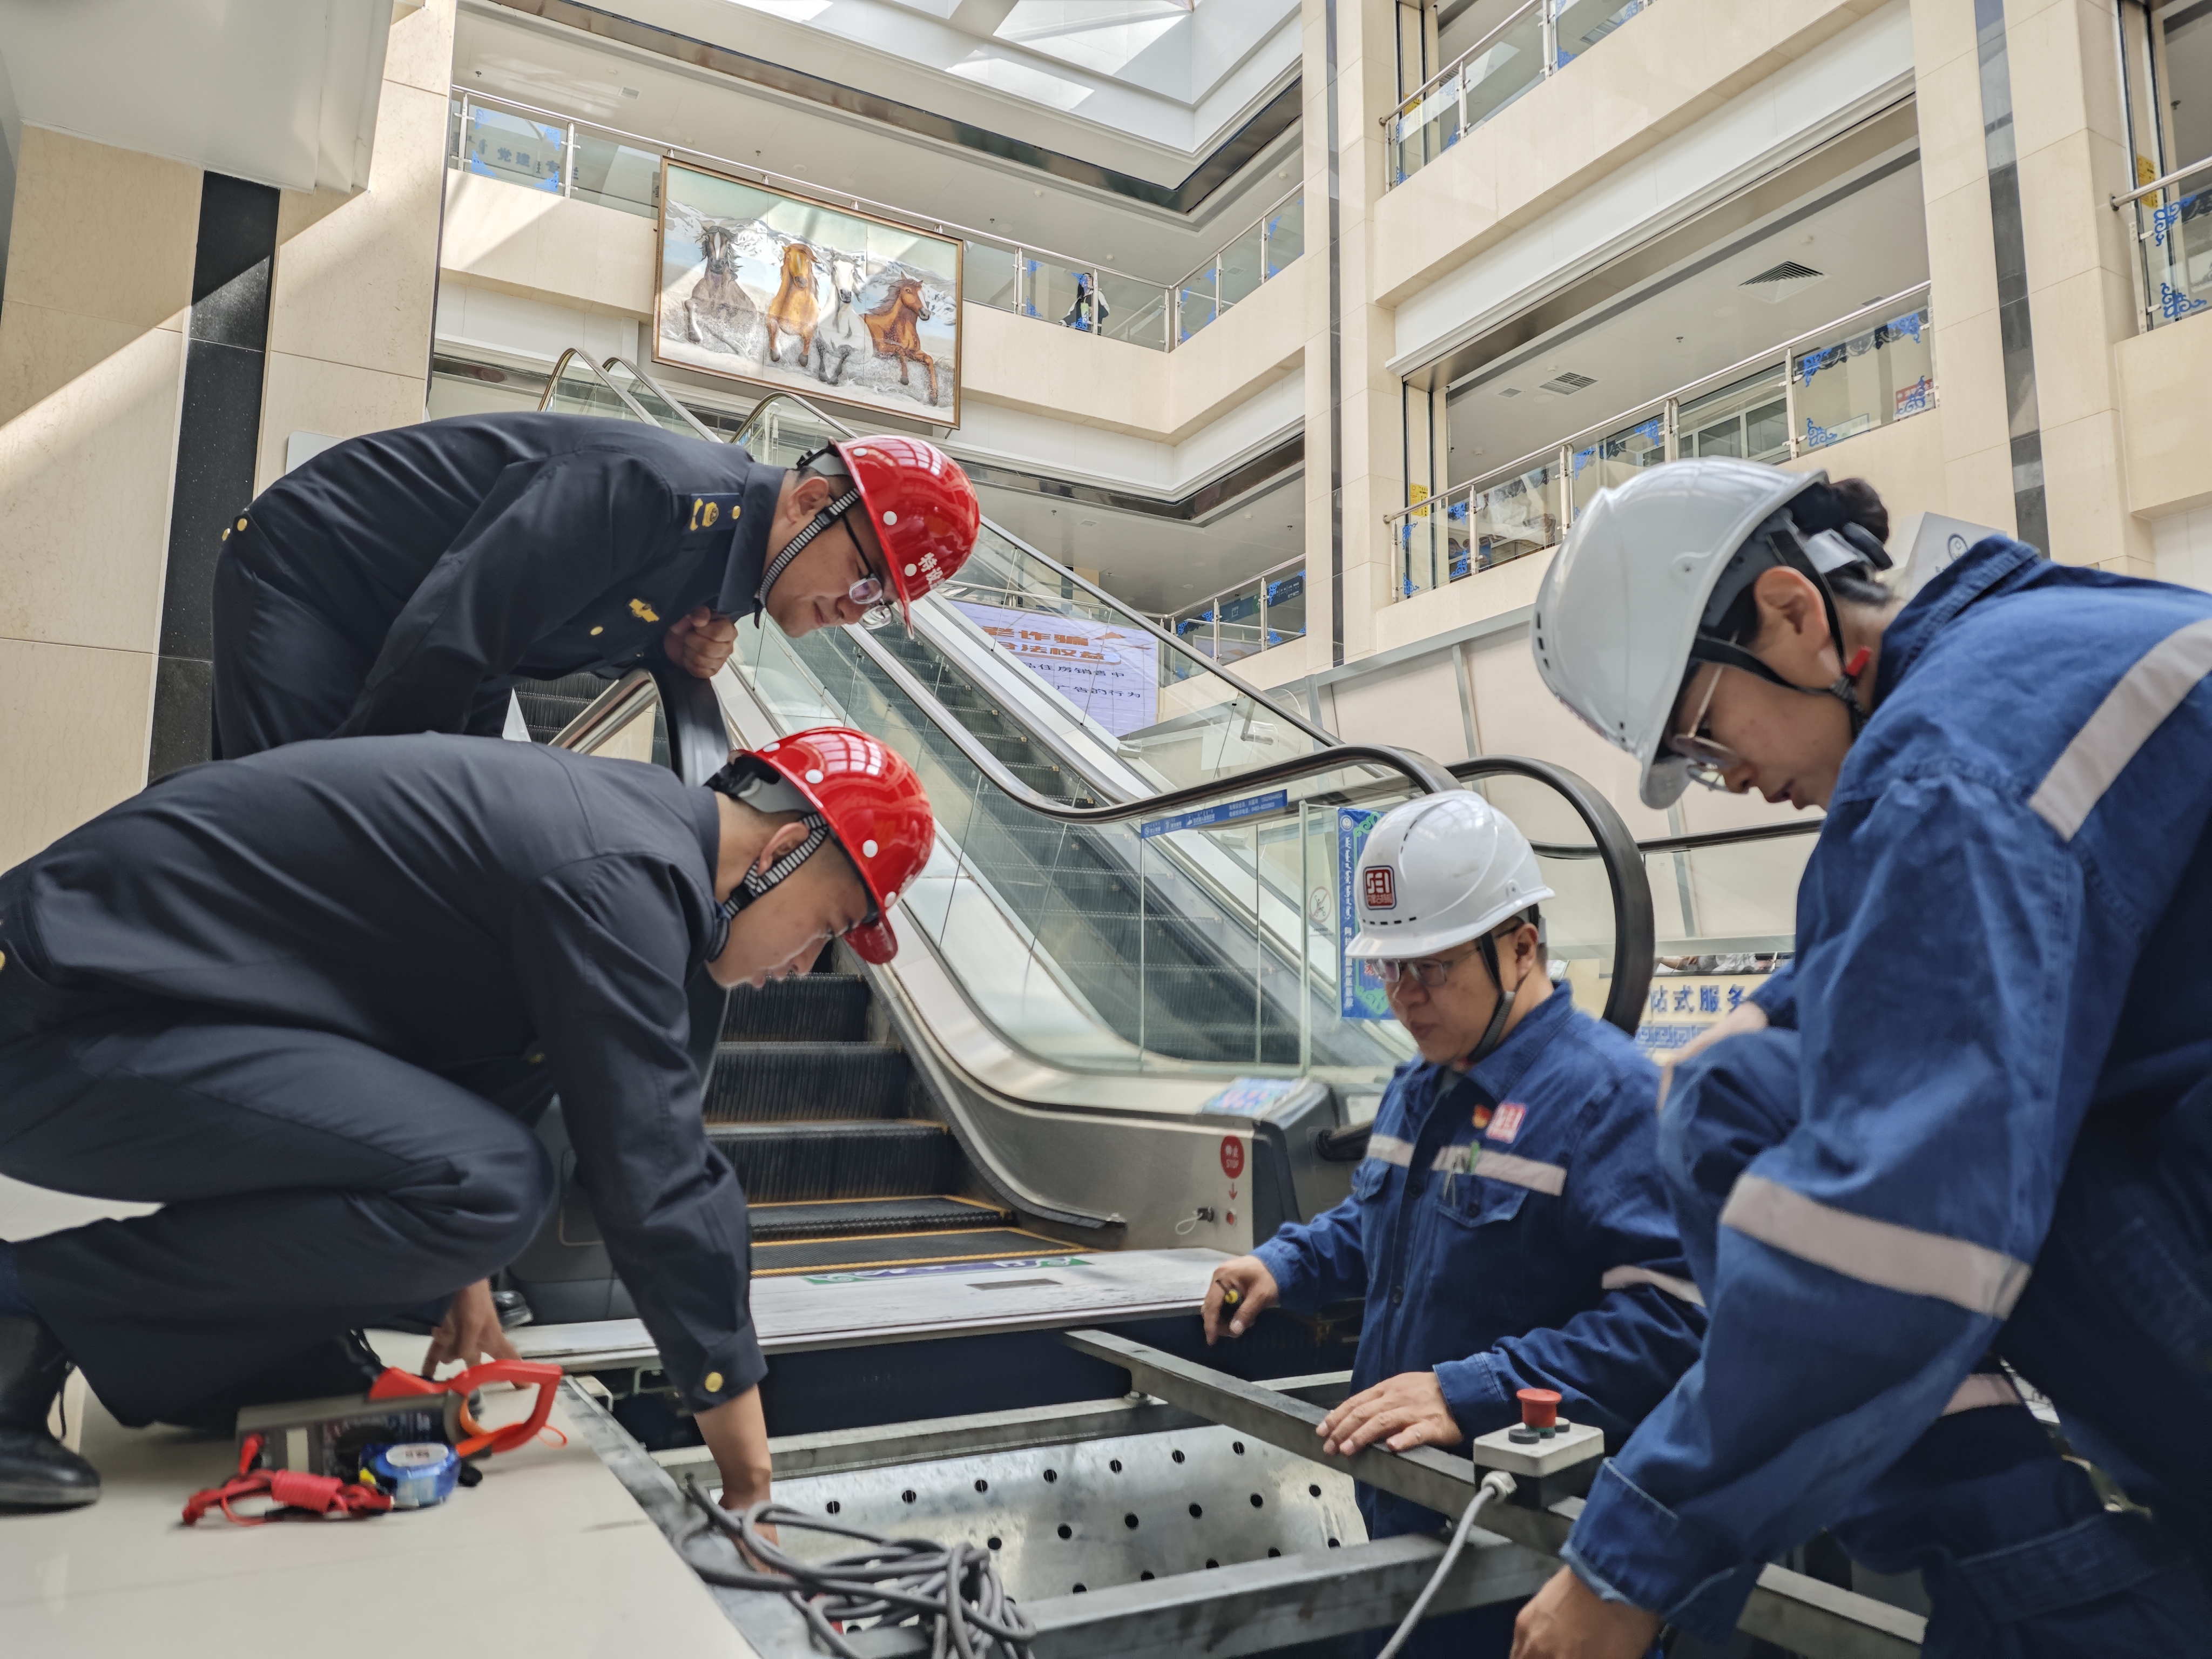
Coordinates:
337 1365
36 1470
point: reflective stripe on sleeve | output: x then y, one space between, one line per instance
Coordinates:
1550 1178
2130 712
1878 1253
1982 1388
1620 1278
1389 1149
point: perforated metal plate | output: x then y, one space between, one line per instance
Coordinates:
1072 1518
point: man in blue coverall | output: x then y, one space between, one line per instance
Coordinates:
1508 1226
1999 1150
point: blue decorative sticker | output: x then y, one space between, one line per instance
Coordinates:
1359 986
1248 1097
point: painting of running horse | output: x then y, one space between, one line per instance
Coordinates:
795 294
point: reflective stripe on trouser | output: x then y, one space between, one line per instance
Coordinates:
1995 1493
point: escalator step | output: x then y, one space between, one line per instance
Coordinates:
901 1250
763 1082
869 1158
851 1218
814 1007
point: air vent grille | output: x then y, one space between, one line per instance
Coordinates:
1788 271
1568 382
1510 391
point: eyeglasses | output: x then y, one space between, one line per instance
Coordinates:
1710 761
870 591
1430 973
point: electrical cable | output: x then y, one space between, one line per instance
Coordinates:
954 1588
1496 1484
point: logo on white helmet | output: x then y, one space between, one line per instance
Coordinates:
1379 885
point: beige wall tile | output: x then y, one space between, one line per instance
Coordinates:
1962 266
76 723
1416 706
2085 493
2050 90
1948 104
1978 483
1942 31
2162 378
1473 599
306 394
419 51
101 231
85 477
528 242
356 277
1969 381
2073 322
2067 223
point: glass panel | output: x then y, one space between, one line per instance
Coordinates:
617 175
1583 23
1881 374
1195 303
1240 268
580 389
1513 515
1133 311
1052 291
2177 241
1512 62
1748 419
1287 232
664 412
988 274
513 147
1240 622
1726 918
1616 459
1287 604
1417 549
1195 627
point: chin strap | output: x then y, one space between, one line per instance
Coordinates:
1494 1033
757 884
796 545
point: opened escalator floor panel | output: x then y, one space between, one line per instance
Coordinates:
814 1117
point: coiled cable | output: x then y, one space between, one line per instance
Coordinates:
954 1588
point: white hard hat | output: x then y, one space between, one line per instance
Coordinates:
1620 606
1438 871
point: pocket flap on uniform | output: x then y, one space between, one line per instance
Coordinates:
1475 1202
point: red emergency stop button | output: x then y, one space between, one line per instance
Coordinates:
1540 1407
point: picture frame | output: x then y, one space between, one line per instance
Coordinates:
792 294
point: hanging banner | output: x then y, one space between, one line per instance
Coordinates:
1109 672
1359 987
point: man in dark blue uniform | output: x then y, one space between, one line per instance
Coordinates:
310 1002
1508 1226
404 581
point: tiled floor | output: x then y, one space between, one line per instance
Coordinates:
548 1556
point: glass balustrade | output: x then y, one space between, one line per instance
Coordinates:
1870 379
1747 419
1474 527
1241 268
2175 230
1618 457
646 392
1265 612
991 276
1533 43
1285 229
1195 303
578 386
615 174
512 147
1135 311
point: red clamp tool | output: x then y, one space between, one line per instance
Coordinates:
295 1492
395 1384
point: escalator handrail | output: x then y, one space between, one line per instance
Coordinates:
698 742
1705 838
1635 931
576 353
661 392
1419 770
1134 617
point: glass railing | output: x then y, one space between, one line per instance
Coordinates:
542 149
2173 229
1138 709
1248 618
1870 368
1534 43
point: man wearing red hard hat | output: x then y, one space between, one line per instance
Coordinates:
405 580
311 1002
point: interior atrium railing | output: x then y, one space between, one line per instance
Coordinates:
1243 620
543 149
1848 376
2174 230
1532 44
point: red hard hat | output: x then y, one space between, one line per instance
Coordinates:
876 808
922 506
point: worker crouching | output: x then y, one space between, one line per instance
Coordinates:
311 1002
1508 1227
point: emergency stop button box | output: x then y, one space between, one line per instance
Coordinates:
1544 1467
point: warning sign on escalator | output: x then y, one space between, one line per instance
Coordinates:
1359 986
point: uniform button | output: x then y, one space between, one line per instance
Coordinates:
3 958
242 524
596 632
714 1381
1398 1297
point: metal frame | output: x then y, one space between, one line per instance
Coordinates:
1214 601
